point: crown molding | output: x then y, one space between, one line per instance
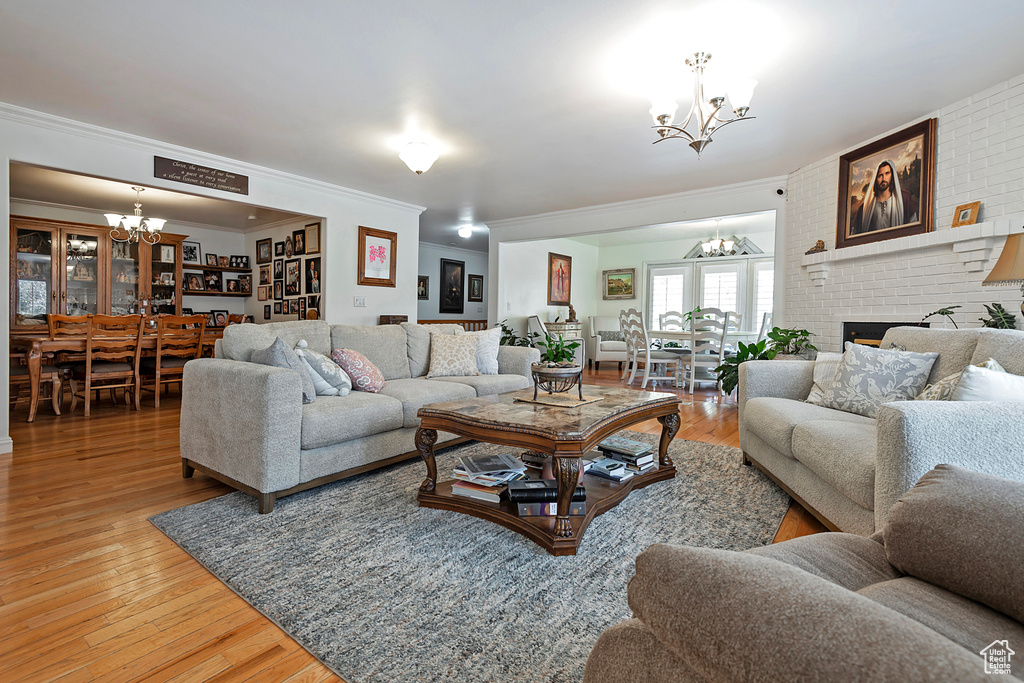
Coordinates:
646 202
31 117
171 223
449 248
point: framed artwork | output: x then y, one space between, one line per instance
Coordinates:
559 279
212 280
618 284
224 261
277 308
279 290
194 283
377 258
220 318
185 310
278 249
262 292
211 259
288 246
264 275
476 288
232 286
886 188
313 238
313 302
263 254
166 278
190 253
266 312
313 275
211 319
292 281
245 284
239 261
299 242
302 308
966 214
166 253
422 287
279 269
293 306
453 279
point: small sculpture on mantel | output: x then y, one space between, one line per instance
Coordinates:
818 246
572 315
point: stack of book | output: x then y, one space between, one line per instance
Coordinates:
637 456
540 498
536 461
485 477
607 468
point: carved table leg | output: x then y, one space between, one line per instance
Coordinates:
567 474
425 440
34 360
669 427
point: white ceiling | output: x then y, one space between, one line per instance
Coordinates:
741 226
517 91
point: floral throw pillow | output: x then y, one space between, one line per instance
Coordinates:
452 355
869 377
364 374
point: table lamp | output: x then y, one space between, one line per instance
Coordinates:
1009 269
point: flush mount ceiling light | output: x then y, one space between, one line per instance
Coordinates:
418 156
135 228
466 231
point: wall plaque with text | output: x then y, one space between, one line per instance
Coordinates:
197 174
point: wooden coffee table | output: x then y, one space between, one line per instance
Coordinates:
566 434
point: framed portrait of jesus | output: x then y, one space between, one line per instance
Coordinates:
559 279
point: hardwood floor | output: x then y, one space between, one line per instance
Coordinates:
90 590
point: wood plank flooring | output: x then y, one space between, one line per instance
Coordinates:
90 590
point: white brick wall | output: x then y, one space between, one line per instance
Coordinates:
979 156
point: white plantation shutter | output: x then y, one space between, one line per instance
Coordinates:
720 286
764 291
668 291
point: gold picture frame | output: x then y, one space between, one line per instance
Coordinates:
559 279
619 283
378 257
966 214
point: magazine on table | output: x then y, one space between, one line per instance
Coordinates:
488 464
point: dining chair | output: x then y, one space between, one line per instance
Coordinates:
51 382
766 326
638 352
707 348
235 319
179 339
671 320
60 325
113 347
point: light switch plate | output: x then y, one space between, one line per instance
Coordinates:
359 301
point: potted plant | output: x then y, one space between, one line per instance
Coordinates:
791 344
728 372
999 318
556 372
509 336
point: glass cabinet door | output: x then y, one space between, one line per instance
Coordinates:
124 278
81 295
35 292
163 267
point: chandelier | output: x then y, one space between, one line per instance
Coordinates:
704 110
135 228
717 246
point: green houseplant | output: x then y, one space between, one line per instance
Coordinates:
509 336
728 372
999 317
554 350
791 342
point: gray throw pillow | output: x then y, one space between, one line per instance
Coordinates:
869 377
608 335
280 355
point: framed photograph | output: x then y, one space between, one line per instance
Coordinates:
966 214
886 188
279 290
231 286
292 277
185 310
313 275
220 318
453 279
293 306
190 253
266 312
288 246
245 284
377 258
299 242
211 259
166 278
240 261
476 288
212 280
263 254
277 308
619 284
559 279
265 275
166 253
194 283
262 292
278 249
313 302
422 287
211 320
313 238
279 269
224 261
302 308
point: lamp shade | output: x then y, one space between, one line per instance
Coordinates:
418 156
1009 269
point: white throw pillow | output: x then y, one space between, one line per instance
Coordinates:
982 384
826 367
943 389
487 343
328 378
452 355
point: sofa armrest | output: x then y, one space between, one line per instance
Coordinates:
516 360
915 436
741 617
242 420
776 378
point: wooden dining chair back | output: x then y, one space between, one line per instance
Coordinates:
235 319
67 325
113 348
179 339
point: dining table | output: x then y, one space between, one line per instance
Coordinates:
36 346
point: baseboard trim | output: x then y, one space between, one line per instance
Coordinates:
803 503
6 444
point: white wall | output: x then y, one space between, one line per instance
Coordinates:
979 156
44 140
526 293
430 265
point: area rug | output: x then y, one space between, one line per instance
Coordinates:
379 589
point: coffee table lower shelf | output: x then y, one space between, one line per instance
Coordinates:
602 496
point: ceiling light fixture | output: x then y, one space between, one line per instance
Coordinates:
718 246
704 110
135 228
466 231
418 156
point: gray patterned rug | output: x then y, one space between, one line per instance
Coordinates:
381 590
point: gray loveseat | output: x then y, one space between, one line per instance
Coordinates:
848 469
245 423
920 602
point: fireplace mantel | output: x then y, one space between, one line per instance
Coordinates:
973 245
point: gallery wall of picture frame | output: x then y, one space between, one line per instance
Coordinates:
210 274
289 276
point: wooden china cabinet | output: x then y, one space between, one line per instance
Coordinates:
76 268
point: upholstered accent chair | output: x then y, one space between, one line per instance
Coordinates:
605 342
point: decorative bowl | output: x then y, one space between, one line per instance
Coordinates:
555 379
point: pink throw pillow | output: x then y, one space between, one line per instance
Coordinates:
365 375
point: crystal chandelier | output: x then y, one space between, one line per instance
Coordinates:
717 246
135 228
704 110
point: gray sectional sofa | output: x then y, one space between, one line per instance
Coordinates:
245 423
848 469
